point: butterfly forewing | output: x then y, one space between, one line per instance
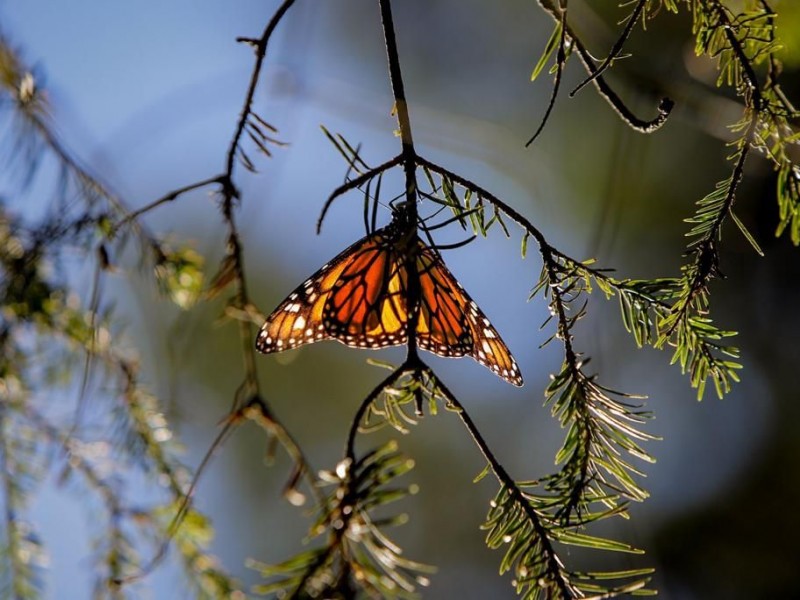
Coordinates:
367 307
299 319
358 299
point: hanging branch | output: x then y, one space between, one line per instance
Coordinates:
520 518
697 347
538 567
595 421
642 126
738 42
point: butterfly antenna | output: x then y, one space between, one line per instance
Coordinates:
369 225
459 217
375 204
454 245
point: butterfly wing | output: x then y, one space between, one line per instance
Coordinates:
442 327
451 324
358 298
367 306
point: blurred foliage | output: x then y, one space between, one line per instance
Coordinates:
60 351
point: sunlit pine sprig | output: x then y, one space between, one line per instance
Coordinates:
741 42
508 525
603 426
648 314
530 525
357 556
600 423
659 312
401 404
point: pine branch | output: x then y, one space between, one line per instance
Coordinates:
357 554
603 88
618 46
532 524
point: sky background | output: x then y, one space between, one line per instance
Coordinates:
147 94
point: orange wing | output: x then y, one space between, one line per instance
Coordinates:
358 299
451 324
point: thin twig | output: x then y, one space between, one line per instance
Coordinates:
616 49
744 62
664 107
554 565
409 160
561 60
247 108
173 195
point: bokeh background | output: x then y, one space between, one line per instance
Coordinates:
147 93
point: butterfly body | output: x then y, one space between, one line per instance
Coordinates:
361 298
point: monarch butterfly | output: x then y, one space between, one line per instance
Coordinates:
360 298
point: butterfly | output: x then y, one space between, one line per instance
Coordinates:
360 298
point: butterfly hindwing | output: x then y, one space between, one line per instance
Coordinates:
489 349
442 327
451 324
